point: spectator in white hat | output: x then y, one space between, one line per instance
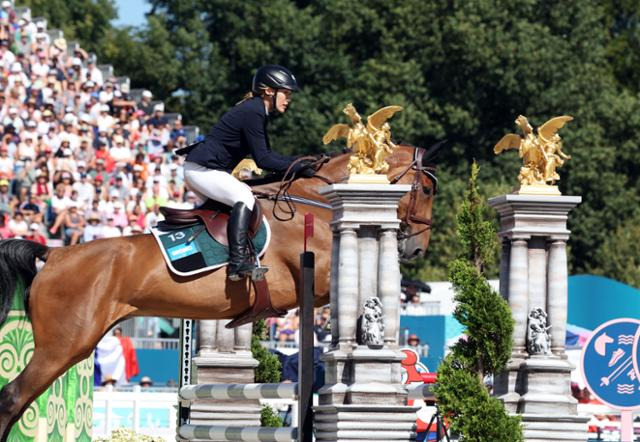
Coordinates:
14 119
16 75
27 148
84 188
93 228
120 218
93 72
119 150
145 102
35 234
110 230
40 68
105 121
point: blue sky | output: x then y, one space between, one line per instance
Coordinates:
131 12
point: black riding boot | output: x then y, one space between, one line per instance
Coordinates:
240 262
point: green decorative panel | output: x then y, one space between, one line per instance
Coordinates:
63 413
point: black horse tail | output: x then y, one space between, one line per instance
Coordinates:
17 267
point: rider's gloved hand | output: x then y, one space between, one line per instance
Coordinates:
305 169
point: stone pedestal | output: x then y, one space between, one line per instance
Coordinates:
533 275
363 397
224 357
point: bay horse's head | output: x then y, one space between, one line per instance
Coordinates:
413 165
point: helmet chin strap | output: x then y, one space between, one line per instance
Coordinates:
273 103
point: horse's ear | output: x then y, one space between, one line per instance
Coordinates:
432 153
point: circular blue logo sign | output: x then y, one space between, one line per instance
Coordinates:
610 365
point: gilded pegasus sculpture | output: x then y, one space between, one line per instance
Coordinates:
541 154
370 143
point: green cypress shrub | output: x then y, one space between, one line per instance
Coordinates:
267 371
462 396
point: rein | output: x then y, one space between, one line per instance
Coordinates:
283 201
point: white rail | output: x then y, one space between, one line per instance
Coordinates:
249 434
238 391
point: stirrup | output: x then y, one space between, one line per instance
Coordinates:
257 274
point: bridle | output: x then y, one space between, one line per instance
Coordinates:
411 214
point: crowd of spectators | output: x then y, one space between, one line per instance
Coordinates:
79 159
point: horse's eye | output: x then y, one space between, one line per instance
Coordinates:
427 190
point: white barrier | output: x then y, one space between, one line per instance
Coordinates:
238 391
249 434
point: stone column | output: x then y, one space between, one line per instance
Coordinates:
557 298
518 293
538 386
362 397
537 274
389 279
224 357
367 263
504 268
347 296
206 337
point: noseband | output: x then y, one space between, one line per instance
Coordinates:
411 214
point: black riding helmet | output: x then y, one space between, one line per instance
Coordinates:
275 76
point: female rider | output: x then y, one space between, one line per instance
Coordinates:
240 132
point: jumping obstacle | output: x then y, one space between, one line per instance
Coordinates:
302 390
363 397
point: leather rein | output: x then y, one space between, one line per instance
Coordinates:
284 202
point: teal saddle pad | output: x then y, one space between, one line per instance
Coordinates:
191 250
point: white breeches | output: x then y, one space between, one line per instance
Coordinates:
217 185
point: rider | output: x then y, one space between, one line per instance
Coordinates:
240 132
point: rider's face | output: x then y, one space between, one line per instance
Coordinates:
283 98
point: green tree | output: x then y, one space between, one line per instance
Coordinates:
621 253
267 371
461 394
88 21
462 71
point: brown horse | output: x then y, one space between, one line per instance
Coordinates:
83 290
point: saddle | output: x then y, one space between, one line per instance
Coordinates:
215 217
213 214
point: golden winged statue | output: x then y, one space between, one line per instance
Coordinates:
370 143
541 155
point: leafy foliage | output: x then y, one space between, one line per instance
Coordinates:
269 367
461 395
87 21
462 71
269 418
473 414
622 252
267 371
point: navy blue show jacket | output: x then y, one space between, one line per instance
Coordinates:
240 132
